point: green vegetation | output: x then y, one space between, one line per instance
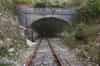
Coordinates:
57 3
23 1
5 65
45 3
10 43
83 35
11 39
7 6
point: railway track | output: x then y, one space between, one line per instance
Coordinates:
45 54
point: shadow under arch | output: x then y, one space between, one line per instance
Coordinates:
49 26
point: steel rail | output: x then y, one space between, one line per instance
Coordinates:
57 58
29 63
54 54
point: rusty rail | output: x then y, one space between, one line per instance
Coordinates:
56 56
28 63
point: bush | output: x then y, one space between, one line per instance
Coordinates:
23 1
7 6
83 37
90 14
53 4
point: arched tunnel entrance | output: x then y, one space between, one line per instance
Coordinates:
49 26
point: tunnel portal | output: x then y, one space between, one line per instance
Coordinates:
50 26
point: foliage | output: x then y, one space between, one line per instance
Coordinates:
90 14
7 6
23 1
40 4
46 3
92 8
98 4
11 40
83 37
57 3
5 65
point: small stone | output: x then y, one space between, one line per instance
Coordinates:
1 41
0 14
8 39
11 50
97 44
11 54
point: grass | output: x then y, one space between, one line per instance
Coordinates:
4 65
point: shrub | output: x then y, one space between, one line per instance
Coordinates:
23 1
83 37
7 6
53 4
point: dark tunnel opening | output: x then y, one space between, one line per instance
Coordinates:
49 26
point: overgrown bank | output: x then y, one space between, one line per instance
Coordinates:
85 35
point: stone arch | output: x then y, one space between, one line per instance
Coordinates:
54 27
53 16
